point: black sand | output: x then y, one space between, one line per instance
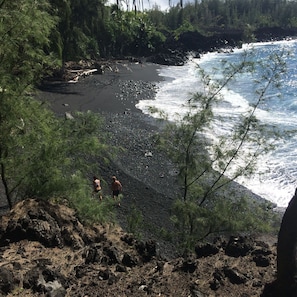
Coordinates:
114 91
148 178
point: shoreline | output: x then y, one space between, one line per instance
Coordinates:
149 179
113 91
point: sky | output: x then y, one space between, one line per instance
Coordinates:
163 4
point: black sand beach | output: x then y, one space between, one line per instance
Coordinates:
148 177
116 90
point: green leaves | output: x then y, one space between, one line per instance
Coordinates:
40 155
24 34
209 204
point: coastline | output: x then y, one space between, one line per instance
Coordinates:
116 90
149 179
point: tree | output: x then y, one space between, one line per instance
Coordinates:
40 155
24 30
207 204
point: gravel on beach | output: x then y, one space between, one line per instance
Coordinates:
149 179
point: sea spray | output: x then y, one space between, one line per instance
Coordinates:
276 178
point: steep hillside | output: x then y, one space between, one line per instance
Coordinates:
47 251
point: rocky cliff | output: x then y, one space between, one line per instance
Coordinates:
176 50
46 251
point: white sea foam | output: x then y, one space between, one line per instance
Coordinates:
276 178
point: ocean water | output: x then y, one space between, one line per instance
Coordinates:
276 176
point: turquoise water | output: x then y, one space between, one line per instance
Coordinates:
276 176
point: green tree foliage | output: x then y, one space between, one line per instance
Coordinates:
135 222
40 155
133 34
24 32
208 204
90 29
93 29
78 27
216 15
25 28
46 157
88 208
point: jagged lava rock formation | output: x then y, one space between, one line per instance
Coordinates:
46 251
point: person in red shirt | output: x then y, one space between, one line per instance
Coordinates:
116 188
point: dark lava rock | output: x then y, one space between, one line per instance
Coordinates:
239 246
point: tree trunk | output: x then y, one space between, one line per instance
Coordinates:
9 201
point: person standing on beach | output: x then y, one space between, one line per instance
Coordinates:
116 188
97 186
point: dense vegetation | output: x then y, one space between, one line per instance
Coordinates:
208 203
90 28
40 155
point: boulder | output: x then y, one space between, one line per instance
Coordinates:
6 280
234 275
287 250
46 282
285 284
206 249
239 246
261 256
174 58
147 250
37 220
